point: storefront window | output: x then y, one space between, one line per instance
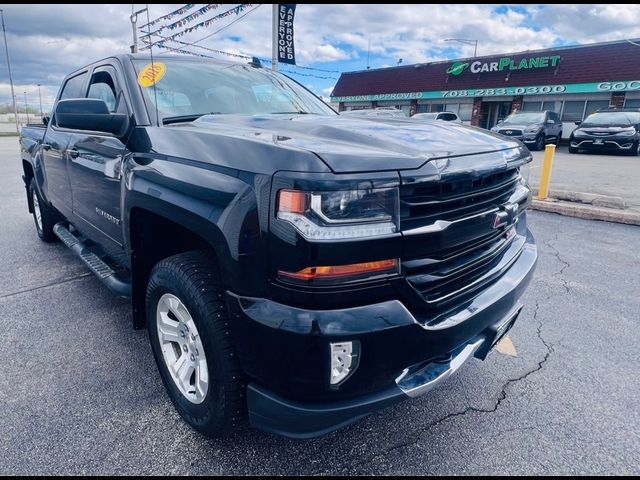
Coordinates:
595 105
531 106
552 106
632 103
422 108
464 112
451 107
572 111
437 107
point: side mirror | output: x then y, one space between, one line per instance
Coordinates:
550 122
499 122
578 123
45 119
90 114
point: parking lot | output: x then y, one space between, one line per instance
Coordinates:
80 393
602 174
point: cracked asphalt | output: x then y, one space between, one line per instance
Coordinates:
80 394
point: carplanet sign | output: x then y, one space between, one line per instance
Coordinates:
504 63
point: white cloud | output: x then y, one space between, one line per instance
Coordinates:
48 41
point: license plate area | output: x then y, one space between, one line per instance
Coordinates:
598 141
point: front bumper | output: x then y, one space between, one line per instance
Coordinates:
624 144
285 351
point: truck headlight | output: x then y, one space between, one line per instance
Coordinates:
339 215
525 170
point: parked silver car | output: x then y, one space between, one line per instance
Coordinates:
377 112
445 116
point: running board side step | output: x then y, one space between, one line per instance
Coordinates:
103 271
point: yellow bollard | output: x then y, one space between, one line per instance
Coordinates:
547 165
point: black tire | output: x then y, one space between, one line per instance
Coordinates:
539 142
573 150
558 139
635 150
49 217
193 278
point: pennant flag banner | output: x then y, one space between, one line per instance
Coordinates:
180 11
233 11
185 20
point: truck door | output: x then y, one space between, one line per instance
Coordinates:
55 155
95 159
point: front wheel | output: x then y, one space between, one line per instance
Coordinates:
191 340
539 142
573 150
44 216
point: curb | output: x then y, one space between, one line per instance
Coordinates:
587 212
594 199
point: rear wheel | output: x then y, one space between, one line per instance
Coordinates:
44 216
191 341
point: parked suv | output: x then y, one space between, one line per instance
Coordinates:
535 129
608 130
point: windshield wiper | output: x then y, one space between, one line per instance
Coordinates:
186 118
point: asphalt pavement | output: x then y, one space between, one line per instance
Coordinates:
80 393
607 174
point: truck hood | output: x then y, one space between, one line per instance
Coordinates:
348 144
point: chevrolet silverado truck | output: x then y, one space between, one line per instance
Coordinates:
291 265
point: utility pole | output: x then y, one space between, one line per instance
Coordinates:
26 107
134 20
40 97
274 40
13 96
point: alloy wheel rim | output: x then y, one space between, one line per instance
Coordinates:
182 348
36 211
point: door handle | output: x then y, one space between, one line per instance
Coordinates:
73 152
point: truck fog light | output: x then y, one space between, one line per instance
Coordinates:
344 360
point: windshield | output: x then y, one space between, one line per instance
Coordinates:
524 118
188 88
613 118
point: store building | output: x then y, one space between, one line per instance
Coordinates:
572 81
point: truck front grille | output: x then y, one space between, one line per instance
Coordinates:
451 247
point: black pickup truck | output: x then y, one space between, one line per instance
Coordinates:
289 263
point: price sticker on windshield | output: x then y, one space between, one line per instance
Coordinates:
152 74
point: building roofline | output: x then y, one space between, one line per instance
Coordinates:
551 49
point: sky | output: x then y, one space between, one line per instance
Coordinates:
48 41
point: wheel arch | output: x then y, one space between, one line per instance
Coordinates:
155 234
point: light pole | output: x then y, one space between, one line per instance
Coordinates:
466 41
26 107
13 96
40 97
134 20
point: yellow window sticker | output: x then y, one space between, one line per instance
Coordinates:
152 74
